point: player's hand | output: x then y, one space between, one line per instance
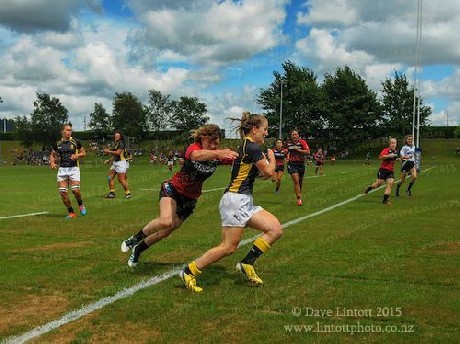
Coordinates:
228 154
53 165
270 155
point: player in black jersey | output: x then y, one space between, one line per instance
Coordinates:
67 151
236 206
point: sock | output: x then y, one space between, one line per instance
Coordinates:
127 192
385 198
192 269
80 202
260 246
139 236
70 209
277 188
142 246
410 186
369 188
397 187
112 190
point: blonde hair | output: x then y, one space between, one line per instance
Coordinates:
247 122
210 130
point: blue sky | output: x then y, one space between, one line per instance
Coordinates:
223 52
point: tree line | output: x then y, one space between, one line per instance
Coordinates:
341 108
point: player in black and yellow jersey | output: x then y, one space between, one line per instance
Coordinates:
236 205
119 166
68 150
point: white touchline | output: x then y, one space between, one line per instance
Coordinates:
77 314
24 215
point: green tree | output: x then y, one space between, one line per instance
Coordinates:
47 119
398 106
351 109
188 114
158 110
302 100
129 115
100 120
23 131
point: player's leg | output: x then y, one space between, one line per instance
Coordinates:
401 182
124 183
413 177
75 187
386 195
111 181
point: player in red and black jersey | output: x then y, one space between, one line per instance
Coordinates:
297 151
319 161
280 154
179 195
386 171
236 206
67 151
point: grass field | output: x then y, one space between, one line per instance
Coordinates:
345 264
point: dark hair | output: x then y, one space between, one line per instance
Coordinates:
122 137
247 122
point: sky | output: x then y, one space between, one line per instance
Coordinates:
220 51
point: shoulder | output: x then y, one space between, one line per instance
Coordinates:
193 147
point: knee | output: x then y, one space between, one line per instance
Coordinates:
277 232
63 192
230 248
167 224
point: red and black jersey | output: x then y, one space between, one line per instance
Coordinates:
280 156
319 157
294 155
388 164
189 180
65 149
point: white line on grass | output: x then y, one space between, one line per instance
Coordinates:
77 314
23 215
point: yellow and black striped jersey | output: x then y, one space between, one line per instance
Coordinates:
65 149
244 170
123 155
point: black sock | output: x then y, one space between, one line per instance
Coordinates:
385 198
139 235
252 255
142 246
187 271
70 209
397 187
369 188
410 186
80 202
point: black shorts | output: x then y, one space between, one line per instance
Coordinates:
319 163
407 166
279 168
185 205
299 168
385 174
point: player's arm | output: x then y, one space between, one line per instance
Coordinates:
208 154
386 155
113 152
53 157
267 165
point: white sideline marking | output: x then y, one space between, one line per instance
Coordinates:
77 314
24 215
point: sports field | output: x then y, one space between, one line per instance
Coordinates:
347 269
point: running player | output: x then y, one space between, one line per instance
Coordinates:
68 150
236 206
179 195
297 151
280 157
119 166
386 171
319 161
408 164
